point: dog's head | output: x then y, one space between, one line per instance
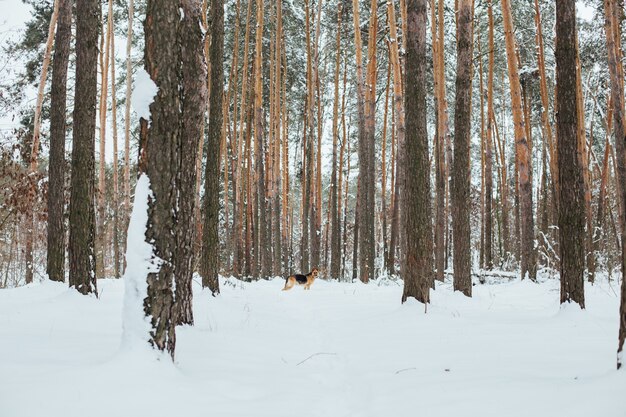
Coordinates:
315 272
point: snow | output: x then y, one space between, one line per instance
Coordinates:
144 90
340 349
141 261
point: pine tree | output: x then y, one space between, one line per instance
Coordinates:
210 239
571 198
460 192
82 254
58 128
418 260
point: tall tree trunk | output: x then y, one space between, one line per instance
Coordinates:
193 99
616 73
335 239
209 266
442 134
116 214
418 259
82 254
34 164
460 193
129 42
105 58
277 267
239 188
571 195
398 103
259 138
488 149
522 151
367 243
58 128
168 157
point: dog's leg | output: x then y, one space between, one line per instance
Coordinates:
289 284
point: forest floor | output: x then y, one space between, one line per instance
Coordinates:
340 349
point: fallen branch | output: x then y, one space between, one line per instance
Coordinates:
315 354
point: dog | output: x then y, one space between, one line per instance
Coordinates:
299 279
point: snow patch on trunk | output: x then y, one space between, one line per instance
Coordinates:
140 261
144 90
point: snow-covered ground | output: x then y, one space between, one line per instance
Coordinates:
337 350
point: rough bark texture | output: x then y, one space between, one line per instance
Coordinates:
616 72
174 59
194 96
82 254
572 209
460 193
56 176
209 263
367 152
418 259
522 151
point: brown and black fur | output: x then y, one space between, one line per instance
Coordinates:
299 279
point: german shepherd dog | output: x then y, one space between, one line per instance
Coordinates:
299 279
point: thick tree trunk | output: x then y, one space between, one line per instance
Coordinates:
460 193
209 266
571 195
417 266
193 100
58 128
168 157
82 256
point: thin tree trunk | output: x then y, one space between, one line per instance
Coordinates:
488 149
209 266
335 266
102 112
116 214
398 102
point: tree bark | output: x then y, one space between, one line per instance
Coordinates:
82 256
616 73
571 195
418 259
58 129
522 151
209 266
460 193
